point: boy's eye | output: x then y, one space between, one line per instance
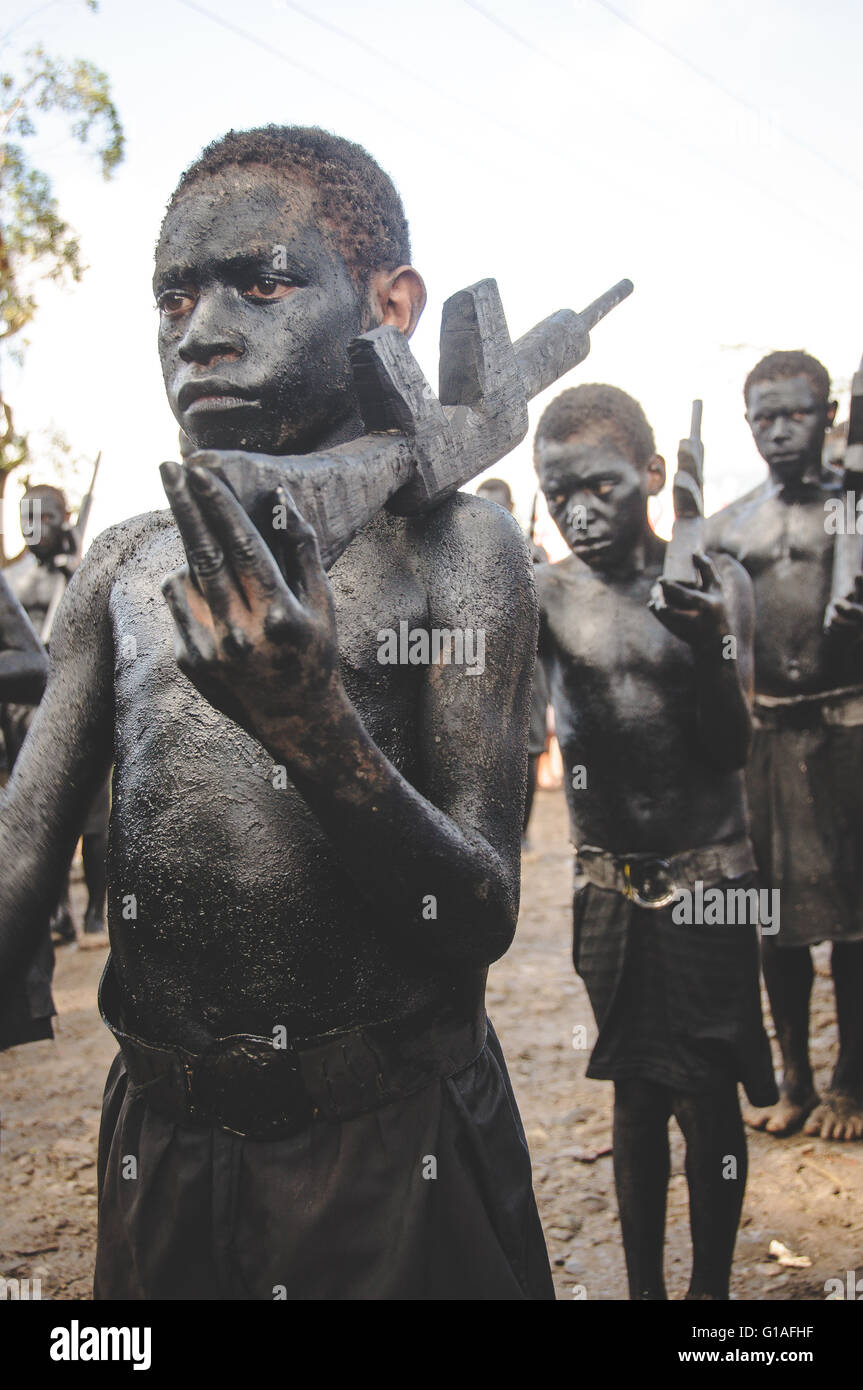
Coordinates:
604 489
267 287
175 302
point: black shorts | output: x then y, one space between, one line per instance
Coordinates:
427 1197
679 1005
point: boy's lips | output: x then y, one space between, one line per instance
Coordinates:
213 393
205 403
583 542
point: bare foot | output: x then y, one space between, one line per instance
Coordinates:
784 1117
837 1117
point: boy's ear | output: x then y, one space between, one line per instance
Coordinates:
398 297
832 407
655 475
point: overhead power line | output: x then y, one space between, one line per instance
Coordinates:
829 228
708 77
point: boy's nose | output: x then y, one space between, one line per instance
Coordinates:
781 428
209 337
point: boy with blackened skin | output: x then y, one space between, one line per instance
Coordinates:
805 774
38 578
653 723
314 857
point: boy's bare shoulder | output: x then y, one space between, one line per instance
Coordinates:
733 512
124 540
472 530
115 547
563 575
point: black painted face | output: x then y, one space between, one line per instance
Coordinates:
42 519
788 421
256 310
596 495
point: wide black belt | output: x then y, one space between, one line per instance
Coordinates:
250 1086
651 881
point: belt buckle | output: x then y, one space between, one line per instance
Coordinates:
244 1085
647 870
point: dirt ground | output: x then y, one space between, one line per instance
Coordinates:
805 1193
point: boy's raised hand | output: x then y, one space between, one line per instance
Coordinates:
255 626
845 615
696 615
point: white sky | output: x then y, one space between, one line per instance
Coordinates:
548 145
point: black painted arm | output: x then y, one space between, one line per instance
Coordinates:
23 659
441 863
65 757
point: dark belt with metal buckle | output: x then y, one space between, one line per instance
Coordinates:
652 882
250 1086
649 882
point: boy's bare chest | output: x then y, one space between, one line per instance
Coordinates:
159 713
776 538
616 671
607 633
34 587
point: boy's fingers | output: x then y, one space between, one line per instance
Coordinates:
194 642
203 551
299 549
848 611
679 596
245 549
706 568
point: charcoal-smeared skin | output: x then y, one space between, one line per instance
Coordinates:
778 533
662 732
245 916
661 725
294 351
23 663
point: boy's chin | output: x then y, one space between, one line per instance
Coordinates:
594 554
243 436
789 469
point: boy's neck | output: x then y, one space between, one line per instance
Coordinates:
348 426
807 479
645 554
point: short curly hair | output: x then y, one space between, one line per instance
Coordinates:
594 406
781 366
352 193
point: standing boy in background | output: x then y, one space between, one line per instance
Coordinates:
805 774
654 726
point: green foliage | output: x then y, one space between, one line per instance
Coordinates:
34 237
36 242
